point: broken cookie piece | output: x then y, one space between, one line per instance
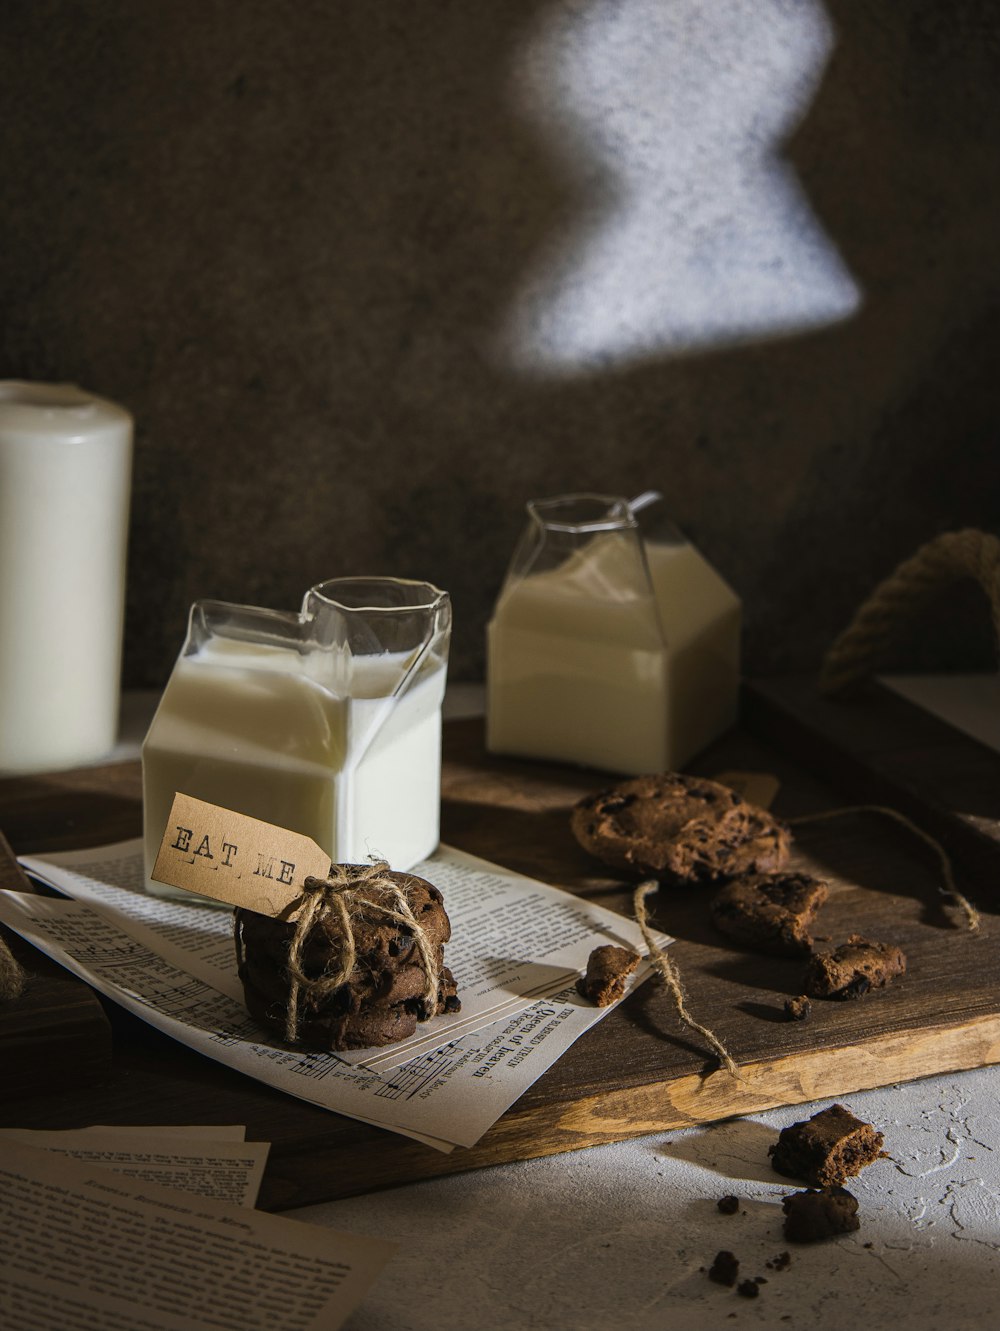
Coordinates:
770 912
849 972
724 1269
812 1216
608 968
827 1148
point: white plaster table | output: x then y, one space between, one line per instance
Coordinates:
617 1235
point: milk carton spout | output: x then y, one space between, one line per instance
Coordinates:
398 626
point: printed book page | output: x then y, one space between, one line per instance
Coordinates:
88 1249
230 1171
448 1097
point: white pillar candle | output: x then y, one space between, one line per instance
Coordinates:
65 467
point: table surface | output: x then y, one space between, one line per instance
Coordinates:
621 1235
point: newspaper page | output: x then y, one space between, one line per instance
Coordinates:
98 1252
231 1171
513 940
450 1096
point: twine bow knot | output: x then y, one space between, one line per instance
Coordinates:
349 890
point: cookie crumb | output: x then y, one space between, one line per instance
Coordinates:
608 968
797 1009
728 1205
724 1269
812 1216
748 1288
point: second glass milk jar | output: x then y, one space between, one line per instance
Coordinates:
327 722
610 647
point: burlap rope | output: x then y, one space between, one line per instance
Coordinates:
942 561
11 974
348 892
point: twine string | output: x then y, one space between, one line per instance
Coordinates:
12 976
349 891
934 566
670 975
950 888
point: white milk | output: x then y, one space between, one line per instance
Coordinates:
65 465
243 725
586 666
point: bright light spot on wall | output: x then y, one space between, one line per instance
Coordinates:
690 230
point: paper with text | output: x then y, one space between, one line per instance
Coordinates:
85 1248
230 1171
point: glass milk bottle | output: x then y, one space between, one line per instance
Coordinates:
610 647
327 722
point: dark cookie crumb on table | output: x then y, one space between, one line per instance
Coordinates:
728 1205
797 1009
725 1269
814 1215
748 1288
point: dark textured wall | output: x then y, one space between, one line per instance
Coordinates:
284 233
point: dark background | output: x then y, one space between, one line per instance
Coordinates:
283 235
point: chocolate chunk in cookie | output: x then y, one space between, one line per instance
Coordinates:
608 968
826 1149
853 969
813 1216
770 912
683 829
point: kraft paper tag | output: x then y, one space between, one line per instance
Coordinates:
757 788
237 859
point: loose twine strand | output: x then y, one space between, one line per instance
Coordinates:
671 978
11 974
950 888
348 892
937 564
671 975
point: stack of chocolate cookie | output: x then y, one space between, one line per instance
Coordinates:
384 996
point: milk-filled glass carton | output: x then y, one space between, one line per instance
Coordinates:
327 722
610 646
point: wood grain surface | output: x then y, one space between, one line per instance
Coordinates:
639 1070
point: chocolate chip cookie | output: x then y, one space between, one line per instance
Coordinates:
682 829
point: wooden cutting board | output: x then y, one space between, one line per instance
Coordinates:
639 1070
